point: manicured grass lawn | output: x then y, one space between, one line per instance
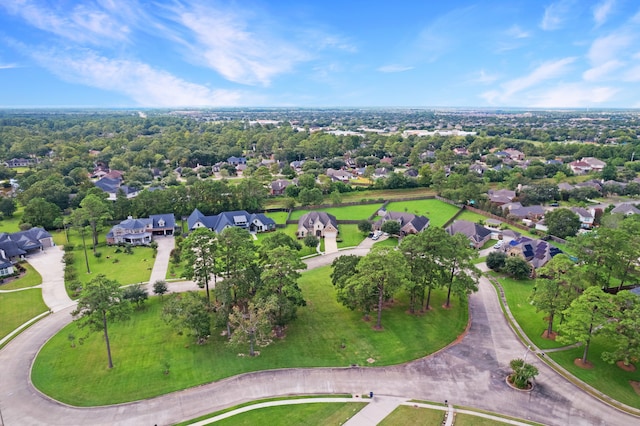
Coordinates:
80 376
533 324
470 216
122 267
324 413
437 211
350 236
19 307
359 212
357 196
29 279
278 217
389 242
469 420
13 223
607 378
405 415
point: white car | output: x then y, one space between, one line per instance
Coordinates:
498 245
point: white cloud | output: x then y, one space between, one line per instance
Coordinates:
82 23
602 71
482 77
394 68
225 42
572 95
555 14
602 10
632 74
139 81
8 66
608 48
544 72
516 32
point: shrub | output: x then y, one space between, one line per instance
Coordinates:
67 258
97 254
70 273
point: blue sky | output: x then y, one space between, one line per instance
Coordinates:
145 53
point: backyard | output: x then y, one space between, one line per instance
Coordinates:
113 261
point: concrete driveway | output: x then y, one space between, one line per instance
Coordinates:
49 265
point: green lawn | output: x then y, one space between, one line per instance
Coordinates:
359 212
358 196
29 279
406 415
607 378
350 236
12 224
278 217
470 216
533 324
469 420
19 307
437 211
320 413
140 346
122 267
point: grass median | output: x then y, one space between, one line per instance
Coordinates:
324 334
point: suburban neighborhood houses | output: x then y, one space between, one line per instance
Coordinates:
292 239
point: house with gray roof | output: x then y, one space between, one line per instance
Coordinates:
626 209
501 196
586 217
252 222
15 246
477 234
141 231
112 186
536 252
409 222
320 224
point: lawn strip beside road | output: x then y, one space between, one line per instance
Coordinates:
18 307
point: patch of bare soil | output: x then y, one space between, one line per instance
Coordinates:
371 360
551 336
635 386
626 367
586 365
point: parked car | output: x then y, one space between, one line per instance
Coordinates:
498 245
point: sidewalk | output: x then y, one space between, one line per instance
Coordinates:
378 408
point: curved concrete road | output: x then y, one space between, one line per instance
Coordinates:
471 373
